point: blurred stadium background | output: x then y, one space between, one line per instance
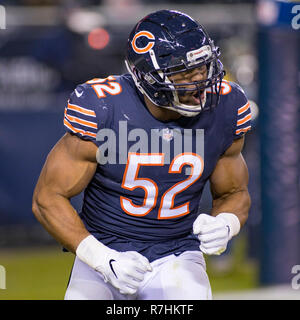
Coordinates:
48 47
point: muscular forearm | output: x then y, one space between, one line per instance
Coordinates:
236 202
60 219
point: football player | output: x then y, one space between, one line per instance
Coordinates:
142 146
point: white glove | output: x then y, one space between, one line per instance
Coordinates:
215 232
124 270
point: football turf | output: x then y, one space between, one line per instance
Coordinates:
43 273
35 274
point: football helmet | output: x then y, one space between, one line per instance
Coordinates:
165 43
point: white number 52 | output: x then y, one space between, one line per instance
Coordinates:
167 209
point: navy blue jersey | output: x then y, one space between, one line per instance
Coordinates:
146 190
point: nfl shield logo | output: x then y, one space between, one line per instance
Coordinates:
167 134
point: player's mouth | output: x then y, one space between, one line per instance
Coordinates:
197 97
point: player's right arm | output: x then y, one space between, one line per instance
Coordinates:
69 168
67 171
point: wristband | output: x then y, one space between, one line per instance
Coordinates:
90 250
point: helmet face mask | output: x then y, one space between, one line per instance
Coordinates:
165 44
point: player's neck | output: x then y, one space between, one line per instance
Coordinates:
160 113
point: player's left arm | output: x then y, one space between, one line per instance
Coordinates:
231 202
229 183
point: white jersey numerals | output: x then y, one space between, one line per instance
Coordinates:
225 88
107 85
167 210
131 182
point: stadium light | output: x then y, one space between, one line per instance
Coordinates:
98 38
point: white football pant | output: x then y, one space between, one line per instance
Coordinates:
173 277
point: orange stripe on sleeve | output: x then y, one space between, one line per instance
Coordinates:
243 108
244 120
75 130
83 122
243 130
85 111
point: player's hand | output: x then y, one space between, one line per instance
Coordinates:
124 270
215 232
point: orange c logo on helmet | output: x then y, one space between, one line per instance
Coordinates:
149 46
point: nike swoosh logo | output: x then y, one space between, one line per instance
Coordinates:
78 94
111 267
228 229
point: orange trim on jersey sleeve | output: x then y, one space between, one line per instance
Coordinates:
243 108
75 130
243 130
244 120
82 110
83 122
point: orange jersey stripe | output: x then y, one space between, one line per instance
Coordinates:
244 120
87 133
243 108
83 122
243 130
85 111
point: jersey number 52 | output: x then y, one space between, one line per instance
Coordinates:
166 210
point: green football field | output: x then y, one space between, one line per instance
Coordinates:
43 273
34 274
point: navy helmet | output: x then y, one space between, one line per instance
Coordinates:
167 42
